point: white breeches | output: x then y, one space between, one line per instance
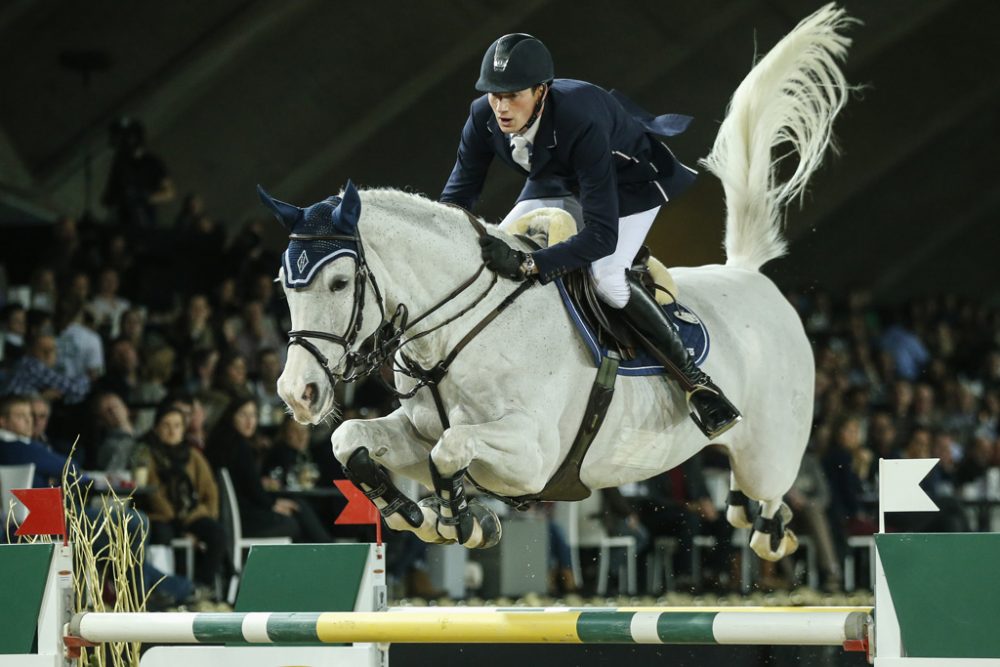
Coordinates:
608 272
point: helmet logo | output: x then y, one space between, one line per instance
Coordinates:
500 61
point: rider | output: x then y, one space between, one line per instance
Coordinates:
573 138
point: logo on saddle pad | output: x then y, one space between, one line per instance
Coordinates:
317 234
690 327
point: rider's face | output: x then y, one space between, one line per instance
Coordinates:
514 109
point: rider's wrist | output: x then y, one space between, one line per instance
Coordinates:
528 267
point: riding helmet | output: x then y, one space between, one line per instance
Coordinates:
515 62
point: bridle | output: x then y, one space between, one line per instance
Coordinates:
388 337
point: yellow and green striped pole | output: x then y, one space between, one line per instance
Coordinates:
799 627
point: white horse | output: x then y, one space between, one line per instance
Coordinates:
514 397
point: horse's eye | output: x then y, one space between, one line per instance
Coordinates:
339 284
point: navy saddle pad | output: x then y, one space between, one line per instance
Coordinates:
692 332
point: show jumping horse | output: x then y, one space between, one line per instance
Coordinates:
493 377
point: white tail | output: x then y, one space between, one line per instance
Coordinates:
791 95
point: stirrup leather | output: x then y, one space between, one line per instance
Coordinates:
699 420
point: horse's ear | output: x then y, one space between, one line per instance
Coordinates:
350 205
287 214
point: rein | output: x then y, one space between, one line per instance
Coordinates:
388 338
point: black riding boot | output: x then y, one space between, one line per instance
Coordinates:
710 409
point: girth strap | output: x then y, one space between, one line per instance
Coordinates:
565 484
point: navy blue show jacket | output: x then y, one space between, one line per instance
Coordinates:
591 144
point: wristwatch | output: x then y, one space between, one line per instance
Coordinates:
528 267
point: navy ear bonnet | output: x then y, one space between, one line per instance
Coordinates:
334 216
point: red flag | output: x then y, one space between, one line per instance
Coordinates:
45 512
359 509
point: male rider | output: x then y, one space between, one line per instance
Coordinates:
573 139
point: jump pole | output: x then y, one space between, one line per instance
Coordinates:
815 627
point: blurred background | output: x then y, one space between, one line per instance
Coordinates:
300 96
137 265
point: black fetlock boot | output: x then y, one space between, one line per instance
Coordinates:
373 481
450 493
710 409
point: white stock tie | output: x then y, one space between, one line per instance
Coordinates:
521 152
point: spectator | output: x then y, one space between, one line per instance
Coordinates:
809 499
883 437
269 404
908 352
43 290
17 447
925 412
289 460
133 327
257 332
677 504
185 498
152 390
107 307
194 418
81 351
202 242
138 183
193 332
35 373
230 446
847 464
41 410
230 383
13 328
122 377
114 434
201 372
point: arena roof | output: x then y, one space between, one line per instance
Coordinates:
301 95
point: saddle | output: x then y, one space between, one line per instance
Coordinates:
615 340
547 226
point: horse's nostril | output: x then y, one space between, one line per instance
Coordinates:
310 393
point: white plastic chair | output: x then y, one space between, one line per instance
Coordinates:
11 478
855 542
239 543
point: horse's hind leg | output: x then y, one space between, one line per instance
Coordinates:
740 508
771 538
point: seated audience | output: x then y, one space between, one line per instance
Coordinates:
185 498
35 373
17 447
230 445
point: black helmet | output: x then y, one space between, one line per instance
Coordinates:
515 62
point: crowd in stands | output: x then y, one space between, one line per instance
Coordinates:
154 346
919 379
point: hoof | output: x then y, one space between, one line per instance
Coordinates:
761 545
737 517
489 525
431 507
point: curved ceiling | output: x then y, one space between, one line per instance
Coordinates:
301 95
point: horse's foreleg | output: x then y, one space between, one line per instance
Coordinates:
510 448
364 447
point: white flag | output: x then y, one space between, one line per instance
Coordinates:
899 485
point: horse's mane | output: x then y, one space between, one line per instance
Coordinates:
433 215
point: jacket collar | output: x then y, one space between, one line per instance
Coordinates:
545 138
